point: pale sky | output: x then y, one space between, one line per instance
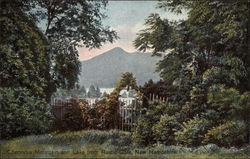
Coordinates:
126 18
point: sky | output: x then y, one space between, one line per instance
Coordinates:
127 19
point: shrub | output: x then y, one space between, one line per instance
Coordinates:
143 134
164 130
193 131
79 115
22 114
75 117
227 134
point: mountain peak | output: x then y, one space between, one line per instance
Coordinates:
104 70
117 49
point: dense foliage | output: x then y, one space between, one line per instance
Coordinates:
22 114
24 58
38 55
206 71
79 115
39 39
102 115
94 92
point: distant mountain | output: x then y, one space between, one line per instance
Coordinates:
105 70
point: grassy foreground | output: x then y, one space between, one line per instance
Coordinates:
106 144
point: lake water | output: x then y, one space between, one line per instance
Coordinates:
107 90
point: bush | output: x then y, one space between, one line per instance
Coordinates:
79 115
22 114
75 117
143 134
164 130
193 131
228 134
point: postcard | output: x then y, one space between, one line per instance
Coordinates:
167 79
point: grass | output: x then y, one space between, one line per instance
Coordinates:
106 144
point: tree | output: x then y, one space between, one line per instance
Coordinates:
110 110
70 24
82 91
92 91
98 92
52 58
127 80
208 48
213 50
104 94
162 88
21 113
23 55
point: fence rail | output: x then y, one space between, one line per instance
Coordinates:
155 97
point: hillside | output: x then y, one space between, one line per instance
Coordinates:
104 70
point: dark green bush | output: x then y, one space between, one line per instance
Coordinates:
164 130
193 131
75 117
22 114
143 134
232 133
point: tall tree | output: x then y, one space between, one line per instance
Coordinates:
92 91
82 91
98 92
24 57
208 48
48 59
70 24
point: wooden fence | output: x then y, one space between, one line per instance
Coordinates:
155 97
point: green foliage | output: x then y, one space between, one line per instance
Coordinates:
142 135
149 126
22 114
157 36
70 24
111 141
206 64
164 131
127 80
44 61
24 57
76 92
193 131
161 88
102 115
82 91
229 102
80 115
227 134
76 116
94 92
